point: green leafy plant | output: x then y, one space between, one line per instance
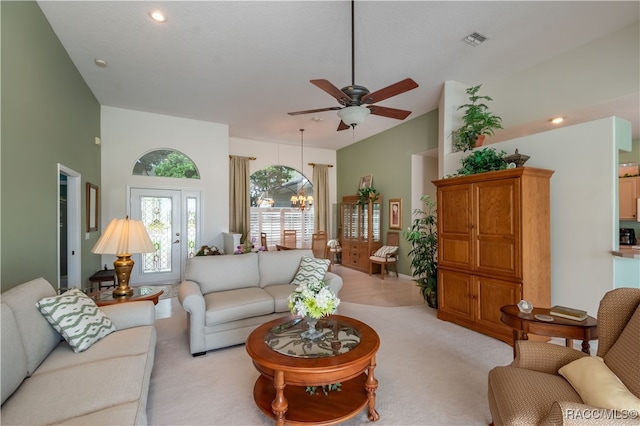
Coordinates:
477 120
423 236
312 390
367 195
484 160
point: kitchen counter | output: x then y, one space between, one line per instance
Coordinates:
629 252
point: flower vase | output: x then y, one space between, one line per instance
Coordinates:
312 332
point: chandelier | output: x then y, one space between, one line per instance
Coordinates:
301 201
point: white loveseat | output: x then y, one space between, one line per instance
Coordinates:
45 382
227 297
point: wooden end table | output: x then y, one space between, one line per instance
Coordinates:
524 324
345 354
105 297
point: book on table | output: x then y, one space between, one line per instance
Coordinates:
568 313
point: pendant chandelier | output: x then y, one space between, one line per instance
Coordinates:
300 201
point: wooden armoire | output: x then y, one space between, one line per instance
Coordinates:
493 246
361 234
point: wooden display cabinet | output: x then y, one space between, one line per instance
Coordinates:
493 246
361 224
628 194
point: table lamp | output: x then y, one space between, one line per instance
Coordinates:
124 237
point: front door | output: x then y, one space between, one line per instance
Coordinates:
170 217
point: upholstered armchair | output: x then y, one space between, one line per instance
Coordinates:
533 390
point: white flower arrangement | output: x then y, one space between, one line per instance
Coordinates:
313 299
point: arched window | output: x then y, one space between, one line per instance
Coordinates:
272 209
166 163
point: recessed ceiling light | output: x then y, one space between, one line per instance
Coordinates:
474 39
556 120
157 16
317 119
101 63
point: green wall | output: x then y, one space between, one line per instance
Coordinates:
49 116
387 156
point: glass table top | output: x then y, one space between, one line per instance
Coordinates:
337 338
107 295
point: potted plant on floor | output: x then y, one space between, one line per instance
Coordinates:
477 121
423 236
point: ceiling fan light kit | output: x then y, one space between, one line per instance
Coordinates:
352 98
353 115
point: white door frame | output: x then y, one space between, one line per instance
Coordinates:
74 254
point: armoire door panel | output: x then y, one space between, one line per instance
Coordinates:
497 256
455 252
492 295
455 294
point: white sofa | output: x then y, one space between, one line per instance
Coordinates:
45 382
227 297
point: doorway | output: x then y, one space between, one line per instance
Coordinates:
69 256
172 219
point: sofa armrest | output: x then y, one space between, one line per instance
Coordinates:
334 282
192 301
573 413
132 314
544 357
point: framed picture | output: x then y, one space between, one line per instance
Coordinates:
92 207
366 181
395 213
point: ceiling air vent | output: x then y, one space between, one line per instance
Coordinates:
474 39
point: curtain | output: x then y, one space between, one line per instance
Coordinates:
239 202
321 197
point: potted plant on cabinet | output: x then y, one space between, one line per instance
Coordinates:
483 160
423 237
366 195
477 121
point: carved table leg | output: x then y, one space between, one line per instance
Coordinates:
371 385
279 404
586 347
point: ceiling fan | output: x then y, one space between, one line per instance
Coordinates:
353 97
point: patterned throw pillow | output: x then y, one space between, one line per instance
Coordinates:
311 269
385 250
77 318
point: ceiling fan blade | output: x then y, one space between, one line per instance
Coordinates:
332 90
343 126
311 111
398 114
389 91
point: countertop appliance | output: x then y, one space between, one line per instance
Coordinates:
627 236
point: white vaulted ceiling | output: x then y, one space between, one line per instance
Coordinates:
248 63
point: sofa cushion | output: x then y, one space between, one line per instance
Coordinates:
279 267
311 269
626 348
132 341
77 318
524 397
232 305
280 294
86 388
12 353
598 386
220 273
37 335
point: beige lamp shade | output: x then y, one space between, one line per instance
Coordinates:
124 236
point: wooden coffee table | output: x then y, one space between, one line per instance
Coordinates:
105 297
346 354
525 324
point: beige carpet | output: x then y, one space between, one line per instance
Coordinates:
430 372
